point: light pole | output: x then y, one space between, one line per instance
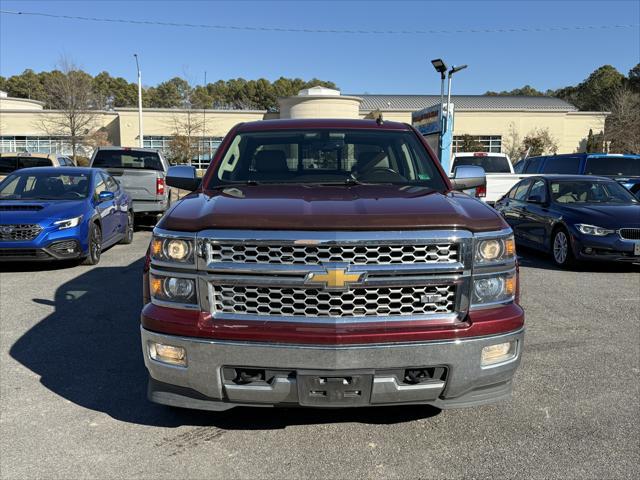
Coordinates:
453 70
441 68
139 102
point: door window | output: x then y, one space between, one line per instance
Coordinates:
534 165
110 183
100 186
539 190
568 165
521 190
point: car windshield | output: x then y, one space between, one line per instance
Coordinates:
44 186
614 166
327 156
491 164
127 159
579 191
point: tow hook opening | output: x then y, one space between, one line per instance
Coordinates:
247 375
413 376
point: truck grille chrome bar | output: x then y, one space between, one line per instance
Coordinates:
312 302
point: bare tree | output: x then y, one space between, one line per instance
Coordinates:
623 125
187 129
70 91
512 144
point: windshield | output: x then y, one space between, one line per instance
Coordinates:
325 156
491 164
590 192
44 186
613 166
127 159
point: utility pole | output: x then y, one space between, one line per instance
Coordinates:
204 123
139 102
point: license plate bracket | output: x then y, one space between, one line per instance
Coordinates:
334 388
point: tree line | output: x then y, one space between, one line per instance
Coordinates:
116 92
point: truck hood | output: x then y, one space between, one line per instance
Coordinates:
302 207
606 216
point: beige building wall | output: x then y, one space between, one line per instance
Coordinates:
12 103
35 122
165 122
569 129
329 106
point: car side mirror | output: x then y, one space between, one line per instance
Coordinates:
468 176
536 199
105 196
183 177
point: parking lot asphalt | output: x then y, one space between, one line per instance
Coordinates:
73 384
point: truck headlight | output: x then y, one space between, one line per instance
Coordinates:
495 250
177 250
173 289
593 230
496 288
68 223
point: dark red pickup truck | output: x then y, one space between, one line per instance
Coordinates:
329 263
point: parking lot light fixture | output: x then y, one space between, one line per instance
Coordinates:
441 68
453 70
140 135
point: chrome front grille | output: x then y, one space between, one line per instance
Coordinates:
392 254
19 232
630 233
313 302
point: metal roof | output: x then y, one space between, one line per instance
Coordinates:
464 102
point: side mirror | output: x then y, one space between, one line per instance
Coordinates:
536 199
183 177
468 176
105 196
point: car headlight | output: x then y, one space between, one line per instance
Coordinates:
68 223
495 250
593 230
173 289
172 249
496 288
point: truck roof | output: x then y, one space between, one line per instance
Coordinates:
294 124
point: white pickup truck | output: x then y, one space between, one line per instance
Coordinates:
499 171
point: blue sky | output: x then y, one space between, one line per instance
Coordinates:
357 63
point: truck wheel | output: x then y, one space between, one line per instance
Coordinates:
128 230
561 251
95 245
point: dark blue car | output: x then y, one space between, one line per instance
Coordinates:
574 217
61 214
624 168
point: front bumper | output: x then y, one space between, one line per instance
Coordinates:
50 244
202 384
608 248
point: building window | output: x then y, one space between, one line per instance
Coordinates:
489 143
53 145
206 146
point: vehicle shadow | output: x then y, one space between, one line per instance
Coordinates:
88 352
529 257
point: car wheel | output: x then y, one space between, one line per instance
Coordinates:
95 245
561 248
128 231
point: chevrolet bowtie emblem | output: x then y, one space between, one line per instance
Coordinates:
334 278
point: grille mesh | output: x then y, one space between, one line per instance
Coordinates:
311 302
318 254
630 233
19 232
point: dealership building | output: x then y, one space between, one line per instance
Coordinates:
491 120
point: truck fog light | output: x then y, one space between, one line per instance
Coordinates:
498 353
168 354
178 287
489 287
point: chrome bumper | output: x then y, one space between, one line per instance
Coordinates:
201 384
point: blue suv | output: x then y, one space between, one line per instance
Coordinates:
61 214
624 168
